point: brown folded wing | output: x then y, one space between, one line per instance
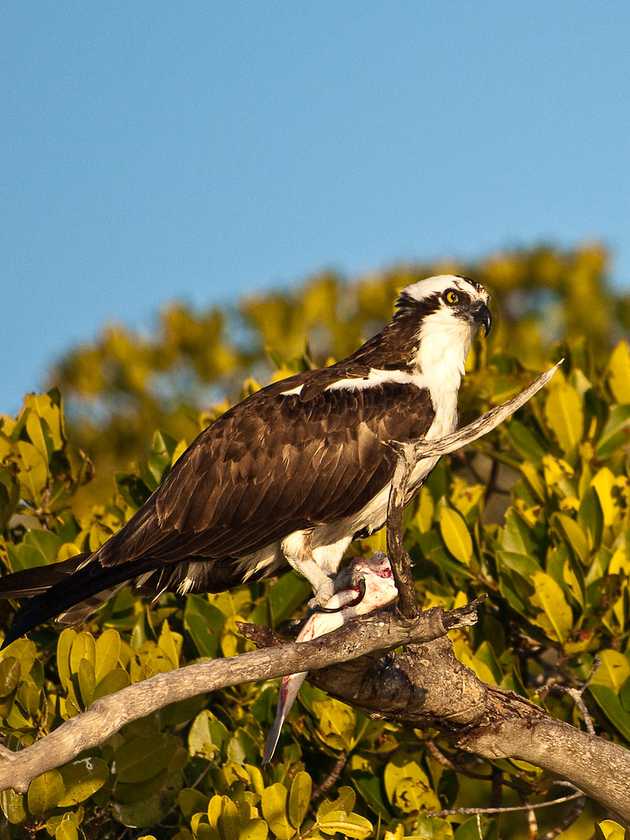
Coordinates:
272 465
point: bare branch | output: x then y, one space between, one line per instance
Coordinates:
568 752
107 715
484 424
331 778
506 809
408 456
576 695
398 557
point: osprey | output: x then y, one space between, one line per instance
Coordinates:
290 475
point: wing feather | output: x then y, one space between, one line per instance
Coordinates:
272 465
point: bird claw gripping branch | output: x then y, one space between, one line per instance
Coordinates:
371 586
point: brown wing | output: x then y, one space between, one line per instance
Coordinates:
272 465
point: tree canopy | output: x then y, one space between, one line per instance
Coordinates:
536 516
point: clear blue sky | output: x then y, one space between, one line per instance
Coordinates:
152 150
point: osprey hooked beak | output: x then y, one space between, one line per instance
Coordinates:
482 316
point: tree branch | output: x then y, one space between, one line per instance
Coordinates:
506 809
398 557
107 715
427 686
482 425
408 456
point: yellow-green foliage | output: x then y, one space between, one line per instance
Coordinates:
537 516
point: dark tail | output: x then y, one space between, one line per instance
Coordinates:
30 582
54 589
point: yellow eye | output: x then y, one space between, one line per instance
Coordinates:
451 297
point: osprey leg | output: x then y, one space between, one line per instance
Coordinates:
371 586
318 565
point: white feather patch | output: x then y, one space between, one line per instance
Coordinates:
378 377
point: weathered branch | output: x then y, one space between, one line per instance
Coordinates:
408 456
107 715
426 685
482 425
398 557
507 809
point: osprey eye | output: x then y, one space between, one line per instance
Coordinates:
451 297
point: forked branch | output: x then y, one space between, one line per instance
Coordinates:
107 715
408 456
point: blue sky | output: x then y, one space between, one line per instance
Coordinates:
202 150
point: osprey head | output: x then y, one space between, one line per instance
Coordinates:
447 302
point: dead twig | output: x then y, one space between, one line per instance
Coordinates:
505 809
398 557
331 778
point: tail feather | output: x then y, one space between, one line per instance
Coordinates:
35 581
63 590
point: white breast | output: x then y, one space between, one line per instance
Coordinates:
373 515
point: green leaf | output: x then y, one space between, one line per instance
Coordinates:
616 432
204 622
44 792
345 801
563 410
171 644
556 617
286 595
207 735
111 683
47 408
143 813
36 434
613 671
469 830
64 646
299 798
574 582
142 758
241 747
516 536
83 647
66 830
575 536
9 675
456 535
228 818
12 805
407 785
335 723
33 471
107 653
604 485
349 825
609 702
619 372
81 779
610 830
590 518
525 442
87 682
44 545
191 801
369 787
9 496
274 808
254 830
